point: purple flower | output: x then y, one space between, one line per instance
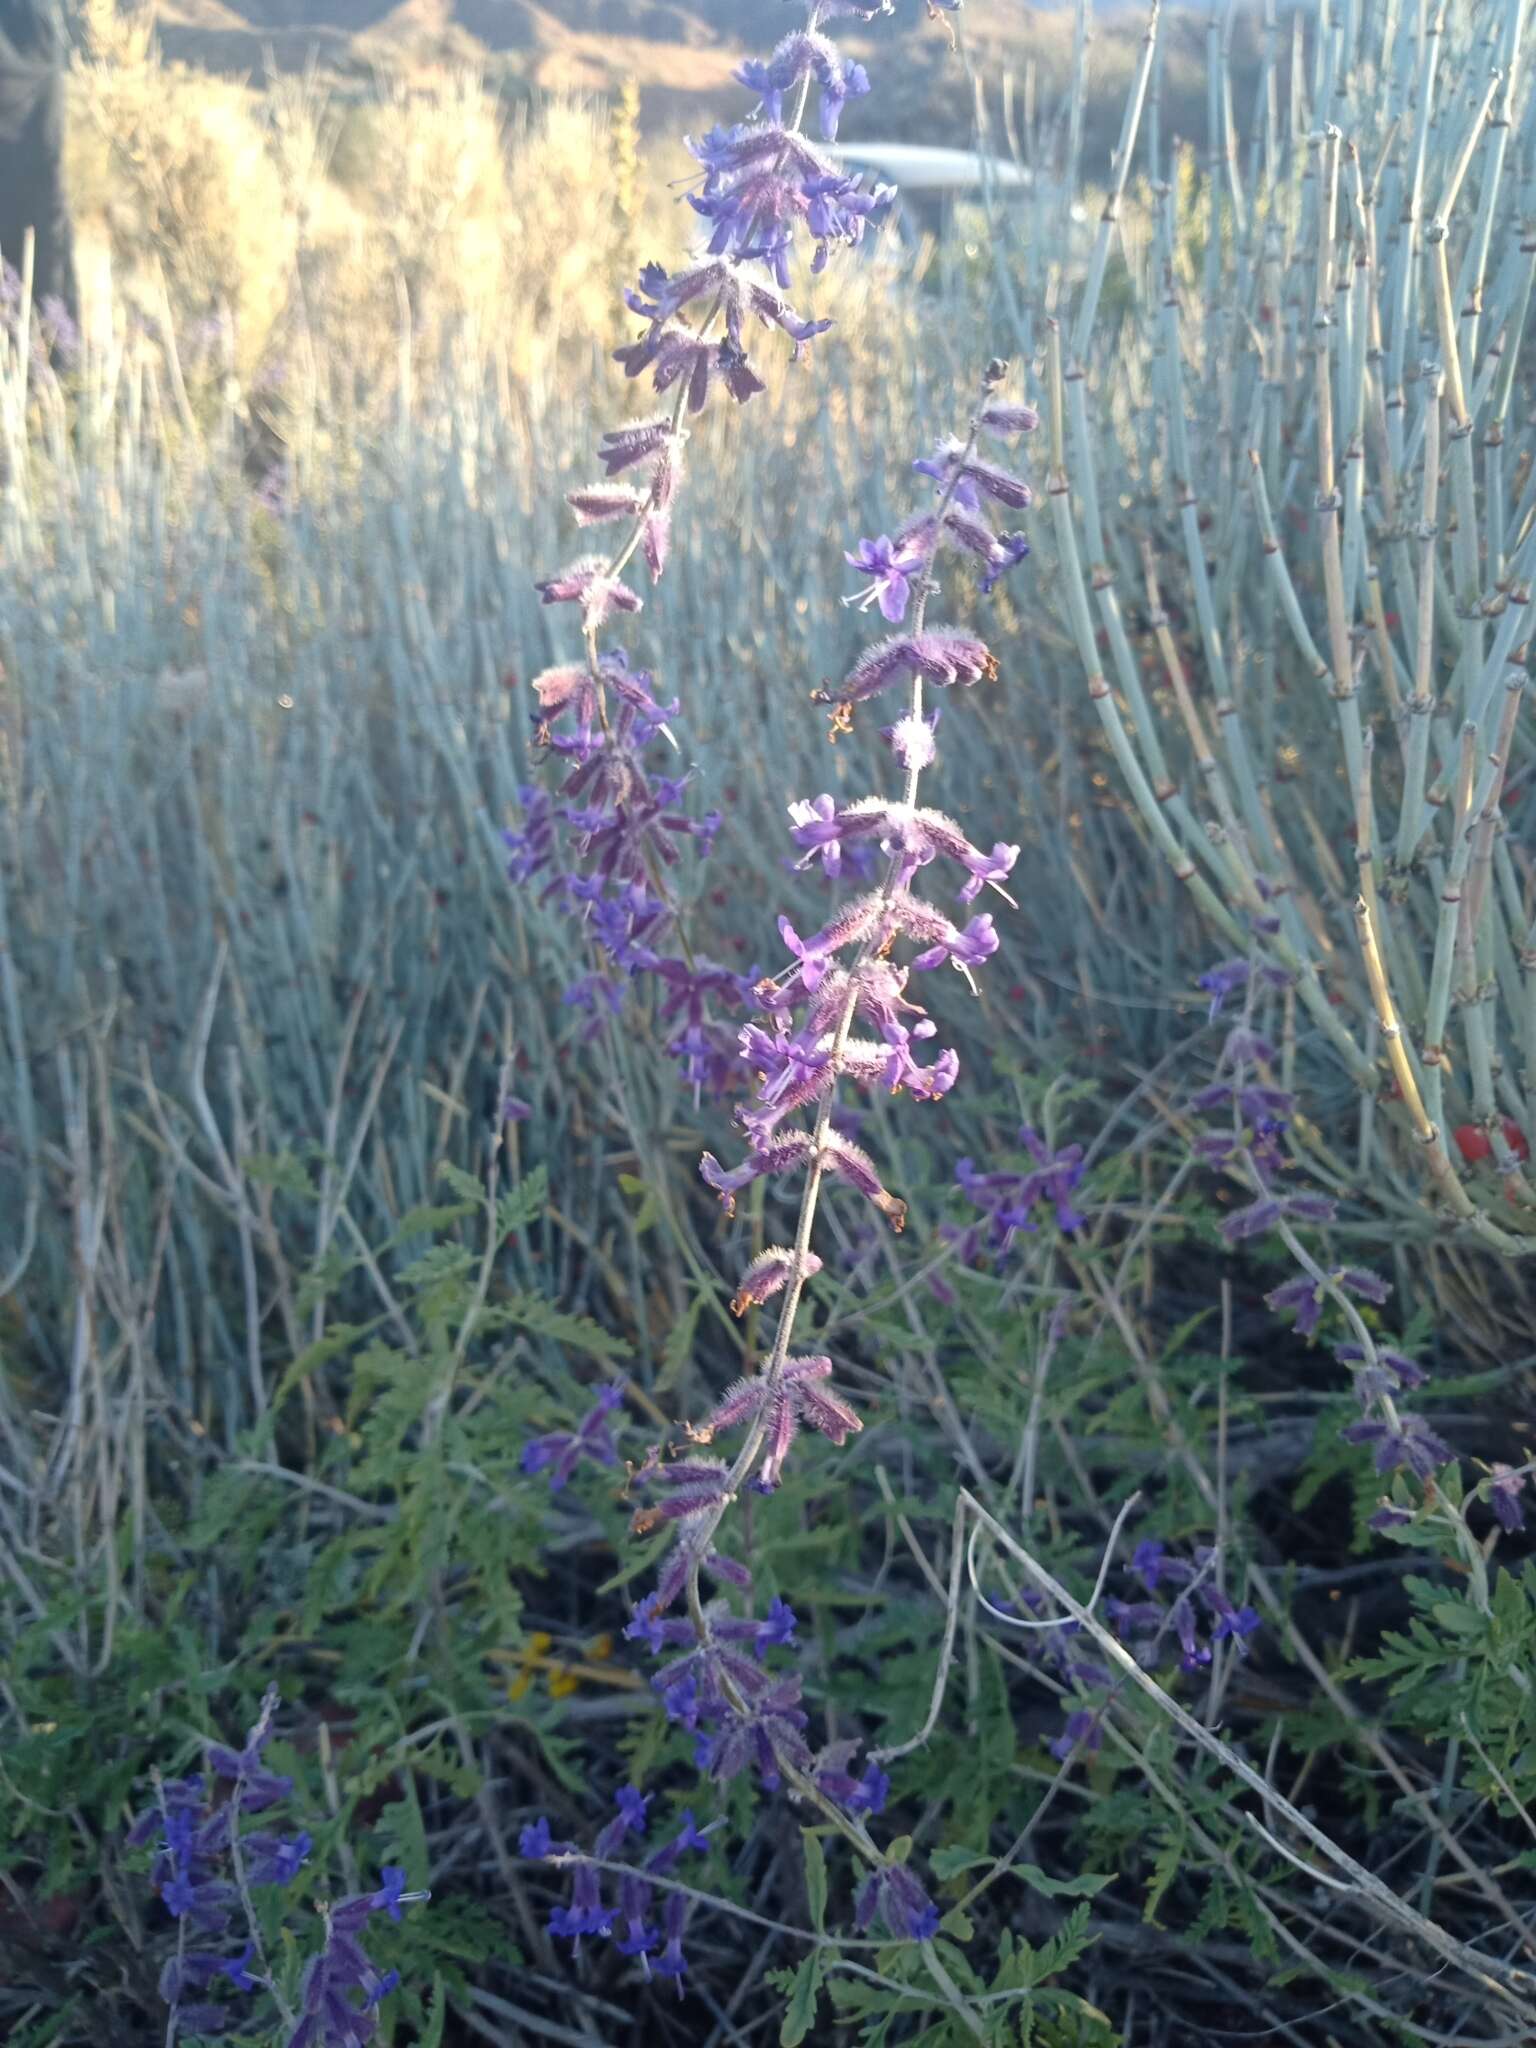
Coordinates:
388 1898
1387 1516
973 477
894 1896
675 354
871 1792
1153 1566
629 1820
800 1395
238 1968
763 181
586 1913
1084 1730
1253 1220
776 1631
892 571
963 949
1504 1488
586 582
1232 1623
1133 1617
805 54
1404 1371
768 1272
535 1841
1223 980
1411 1443
672 1962
1000 417
637 441
272 1860
561 1451
939 654
1193 1652
818 828
645 1626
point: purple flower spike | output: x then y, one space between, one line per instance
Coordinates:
601 851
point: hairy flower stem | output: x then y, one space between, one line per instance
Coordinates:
773 1371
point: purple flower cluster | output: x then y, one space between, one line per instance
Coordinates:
608 841
1199 1616
622 829
1010 1200
198 1837
627 1920
1254 1118
343 1973
1152 1565
968 483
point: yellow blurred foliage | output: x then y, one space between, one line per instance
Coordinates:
301 216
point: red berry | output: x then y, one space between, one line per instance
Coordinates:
1475 1143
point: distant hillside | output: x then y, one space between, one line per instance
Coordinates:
681 54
